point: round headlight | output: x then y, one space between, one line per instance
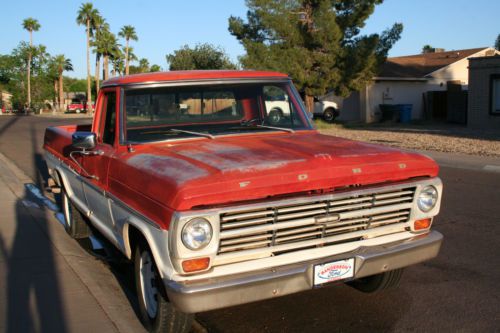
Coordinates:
427 198
196 234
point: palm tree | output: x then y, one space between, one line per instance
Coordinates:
143 65
117 62
108 46
127 32
100 26
86 16
53 75
31 25
62 64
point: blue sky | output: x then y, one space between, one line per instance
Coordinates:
164 26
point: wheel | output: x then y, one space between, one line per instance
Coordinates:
157 313
74 221
330 114
275 116
78 110
378 282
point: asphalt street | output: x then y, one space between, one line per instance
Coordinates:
457 291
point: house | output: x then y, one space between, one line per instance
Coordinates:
434 83
484 93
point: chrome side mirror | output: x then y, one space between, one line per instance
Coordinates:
84 140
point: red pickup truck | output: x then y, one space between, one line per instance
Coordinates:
219 204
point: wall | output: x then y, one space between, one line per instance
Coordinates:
480 71
394 92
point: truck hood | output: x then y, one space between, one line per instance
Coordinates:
204 173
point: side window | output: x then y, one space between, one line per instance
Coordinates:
108 125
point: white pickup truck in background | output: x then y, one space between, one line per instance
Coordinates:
327 110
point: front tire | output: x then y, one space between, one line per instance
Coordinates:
378 282
157 313
74 221
330 114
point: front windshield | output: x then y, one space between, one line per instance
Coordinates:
158 114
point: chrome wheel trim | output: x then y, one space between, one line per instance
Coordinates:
148 284
66 210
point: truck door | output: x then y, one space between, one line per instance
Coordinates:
105 126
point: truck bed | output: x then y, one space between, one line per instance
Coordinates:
58 140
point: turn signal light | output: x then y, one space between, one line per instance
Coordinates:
195 265
422 224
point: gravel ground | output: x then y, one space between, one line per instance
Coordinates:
440 137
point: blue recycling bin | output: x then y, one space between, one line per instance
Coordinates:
404 113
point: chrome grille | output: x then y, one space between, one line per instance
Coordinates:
295 225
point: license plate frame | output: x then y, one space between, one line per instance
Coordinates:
332 271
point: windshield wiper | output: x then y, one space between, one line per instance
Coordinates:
252 124
277 128
206 135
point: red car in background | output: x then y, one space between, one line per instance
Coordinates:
78 106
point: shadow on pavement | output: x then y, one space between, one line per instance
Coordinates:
34 302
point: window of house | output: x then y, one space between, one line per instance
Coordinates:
495 89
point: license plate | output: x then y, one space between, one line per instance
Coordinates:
333 271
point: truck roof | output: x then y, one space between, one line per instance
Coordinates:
192 75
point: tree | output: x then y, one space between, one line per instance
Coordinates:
117 62
427 48
85 16
143 65
155 68
127 32
497 43
62 64
31 25
99 27
203 56
108 47
317 42
13 74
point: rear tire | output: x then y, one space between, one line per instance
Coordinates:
157 313
74 221
275 116
330 114
378 282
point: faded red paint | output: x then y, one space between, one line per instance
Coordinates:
191 75
158 179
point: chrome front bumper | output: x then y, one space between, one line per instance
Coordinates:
209 294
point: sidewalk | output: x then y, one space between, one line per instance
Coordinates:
48 282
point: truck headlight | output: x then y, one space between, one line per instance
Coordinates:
427 198
197 233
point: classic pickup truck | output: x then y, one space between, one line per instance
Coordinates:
219 204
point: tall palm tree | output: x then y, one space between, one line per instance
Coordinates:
86 16
108 46
31 25
62 64
127 32
100 26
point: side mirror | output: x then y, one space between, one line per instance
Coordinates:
84 140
